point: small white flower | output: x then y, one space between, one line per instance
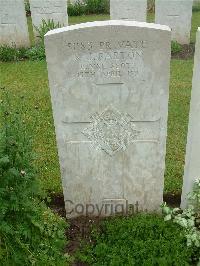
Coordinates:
22 172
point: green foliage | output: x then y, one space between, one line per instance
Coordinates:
36 52
97 7
140 240
194 196
30 234
87 7
45 27
9 54
175 47
76 9
196 7
189 218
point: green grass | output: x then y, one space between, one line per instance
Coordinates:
180 88
83 19
30 79
195 25
140 240
144 239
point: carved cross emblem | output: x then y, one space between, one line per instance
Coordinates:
111 131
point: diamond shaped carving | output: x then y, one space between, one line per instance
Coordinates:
111 130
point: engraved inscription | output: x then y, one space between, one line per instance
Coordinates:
89 45
173 16
111 131
110 64
105 59
48 7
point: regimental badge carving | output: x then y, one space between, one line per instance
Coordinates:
111 130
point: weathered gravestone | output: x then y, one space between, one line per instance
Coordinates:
109 89
177 14
13 24
128 9
48 10
192 161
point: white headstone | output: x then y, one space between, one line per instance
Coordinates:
128 9
192 160
177 14
109 88
13 23
48 10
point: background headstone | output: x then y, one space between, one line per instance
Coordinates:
48 10
109 88
177 14
192 160
13 23
128 9
196 2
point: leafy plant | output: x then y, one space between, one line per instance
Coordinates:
97 6
30 234
8 53
45 27
76 9
89 7
140 240
196 6
189 218
36 52
175 47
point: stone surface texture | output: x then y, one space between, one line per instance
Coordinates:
13 23
109 88
177 14
192 160
128 9
48 10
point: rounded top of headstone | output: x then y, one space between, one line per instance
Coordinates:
109 23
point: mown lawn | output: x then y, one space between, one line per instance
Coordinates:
30 80
143 239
